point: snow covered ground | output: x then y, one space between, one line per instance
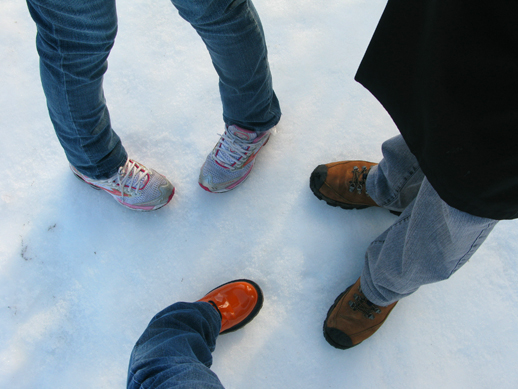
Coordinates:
80 276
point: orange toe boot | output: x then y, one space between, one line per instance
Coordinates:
237 302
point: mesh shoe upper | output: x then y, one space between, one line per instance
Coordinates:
135 186
232 159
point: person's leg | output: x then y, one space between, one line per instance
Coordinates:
233 34
73 41
428 243
176 348
395 181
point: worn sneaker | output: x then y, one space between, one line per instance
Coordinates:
342 184
237 302
134 186
231 161
353 318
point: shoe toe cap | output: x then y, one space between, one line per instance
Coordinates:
206 182
318 177
337 338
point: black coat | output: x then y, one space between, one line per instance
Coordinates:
447 73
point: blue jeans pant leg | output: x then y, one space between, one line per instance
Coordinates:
176 349
234 36
74 40
428 242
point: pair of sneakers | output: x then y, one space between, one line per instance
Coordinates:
142 189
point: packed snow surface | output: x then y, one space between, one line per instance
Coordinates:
81 276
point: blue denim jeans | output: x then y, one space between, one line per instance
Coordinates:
175 349
428 242
75 38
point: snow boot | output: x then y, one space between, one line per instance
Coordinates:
342 184
353 318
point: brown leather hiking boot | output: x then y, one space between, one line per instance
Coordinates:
353 318
342 184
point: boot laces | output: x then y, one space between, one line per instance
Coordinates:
359 179
363 305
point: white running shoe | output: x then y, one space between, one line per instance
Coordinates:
134 186
232 159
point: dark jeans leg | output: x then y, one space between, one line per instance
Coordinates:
74 40
176 349
234 36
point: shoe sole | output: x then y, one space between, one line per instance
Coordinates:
255 311
124 205
318 178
